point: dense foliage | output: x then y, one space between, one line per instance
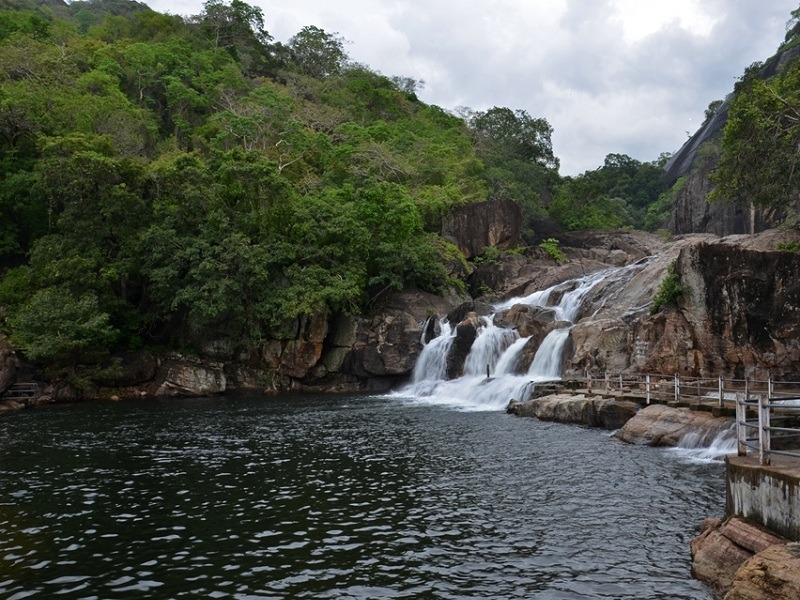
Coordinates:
760 162
618 194
169 180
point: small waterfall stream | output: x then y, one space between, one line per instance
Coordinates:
502 348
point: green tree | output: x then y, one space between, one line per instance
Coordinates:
62 330
759 161
514 133
238 28
316 53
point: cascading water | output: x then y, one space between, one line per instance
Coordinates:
501 348
701 448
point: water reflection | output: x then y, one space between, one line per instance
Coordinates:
339 498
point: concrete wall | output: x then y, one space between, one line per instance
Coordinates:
768 496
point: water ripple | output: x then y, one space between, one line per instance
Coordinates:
339 498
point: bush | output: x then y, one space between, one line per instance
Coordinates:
553 247
670 292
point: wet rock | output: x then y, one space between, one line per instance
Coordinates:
466 332
387 344
460 312
528 320
593 411
661 425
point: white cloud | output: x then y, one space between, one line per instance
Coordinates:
625 76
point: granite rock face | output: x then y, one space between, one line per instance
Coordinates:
739 316
476 227
772 574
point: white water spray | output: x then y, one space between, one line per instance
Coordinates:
500 349
705 447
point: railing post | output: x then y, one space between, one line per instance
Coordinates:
608 383
677 386
763 430
588 381
647 387
620 383
741 424
721 392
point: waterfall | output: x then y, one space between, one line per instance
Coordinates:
508 361
703 447
501 349
546 364
488 348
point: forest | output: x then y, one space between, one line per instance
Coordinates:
166 177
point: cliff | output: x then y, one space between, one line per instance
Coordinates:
697 159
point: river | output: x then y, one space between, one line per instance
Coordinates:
339 497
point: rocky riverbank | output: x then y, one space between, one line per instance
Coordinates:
733 321
742 561
654 425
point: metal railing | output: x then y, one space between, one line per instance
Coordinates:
767 411
682 388
777 420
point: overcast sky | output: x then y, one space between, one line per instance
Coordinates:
623 76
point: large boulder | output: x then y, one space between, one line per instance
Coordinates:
476 227
466 332
723 548
661 425
594 411
181 375
772 574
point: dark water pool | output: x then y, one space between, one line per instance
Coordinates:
343 497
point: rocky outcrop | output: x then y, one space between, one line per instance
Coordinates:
181 375
692 211
476 227
466 332
739 316
661 425
388 344
8 365
723 548
772 574
593 411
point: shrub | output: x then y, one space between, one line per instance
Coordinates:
671 290
553 247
